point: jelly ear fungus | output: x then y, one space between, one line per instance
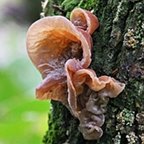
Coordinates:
61 51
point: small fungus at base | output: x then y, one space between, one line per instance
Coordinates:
61 51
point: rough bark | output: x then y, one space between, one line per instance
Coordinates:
118 51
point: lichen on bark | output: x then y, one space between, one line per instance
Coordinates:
118 51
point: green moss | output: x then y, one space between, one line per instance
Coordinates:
126 117
57 130
63 127
88 4
68 5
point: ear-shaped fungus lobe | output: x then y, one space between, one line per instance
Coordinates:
77 78
84 19
90 112
90 125
61 50
51 41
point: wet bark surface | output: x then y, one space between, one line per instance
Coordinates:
118 51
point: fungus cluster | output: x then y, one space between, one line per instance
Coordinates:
61 50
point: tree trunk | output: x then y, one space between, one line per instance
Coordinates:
118 51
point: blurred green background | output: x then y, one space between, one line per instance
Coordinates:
23 119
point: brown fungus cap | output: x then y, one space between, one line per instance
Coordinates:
84 19
61 50
90 112
51 41
78 77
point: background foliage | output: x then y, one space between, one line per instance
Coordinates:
23 119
